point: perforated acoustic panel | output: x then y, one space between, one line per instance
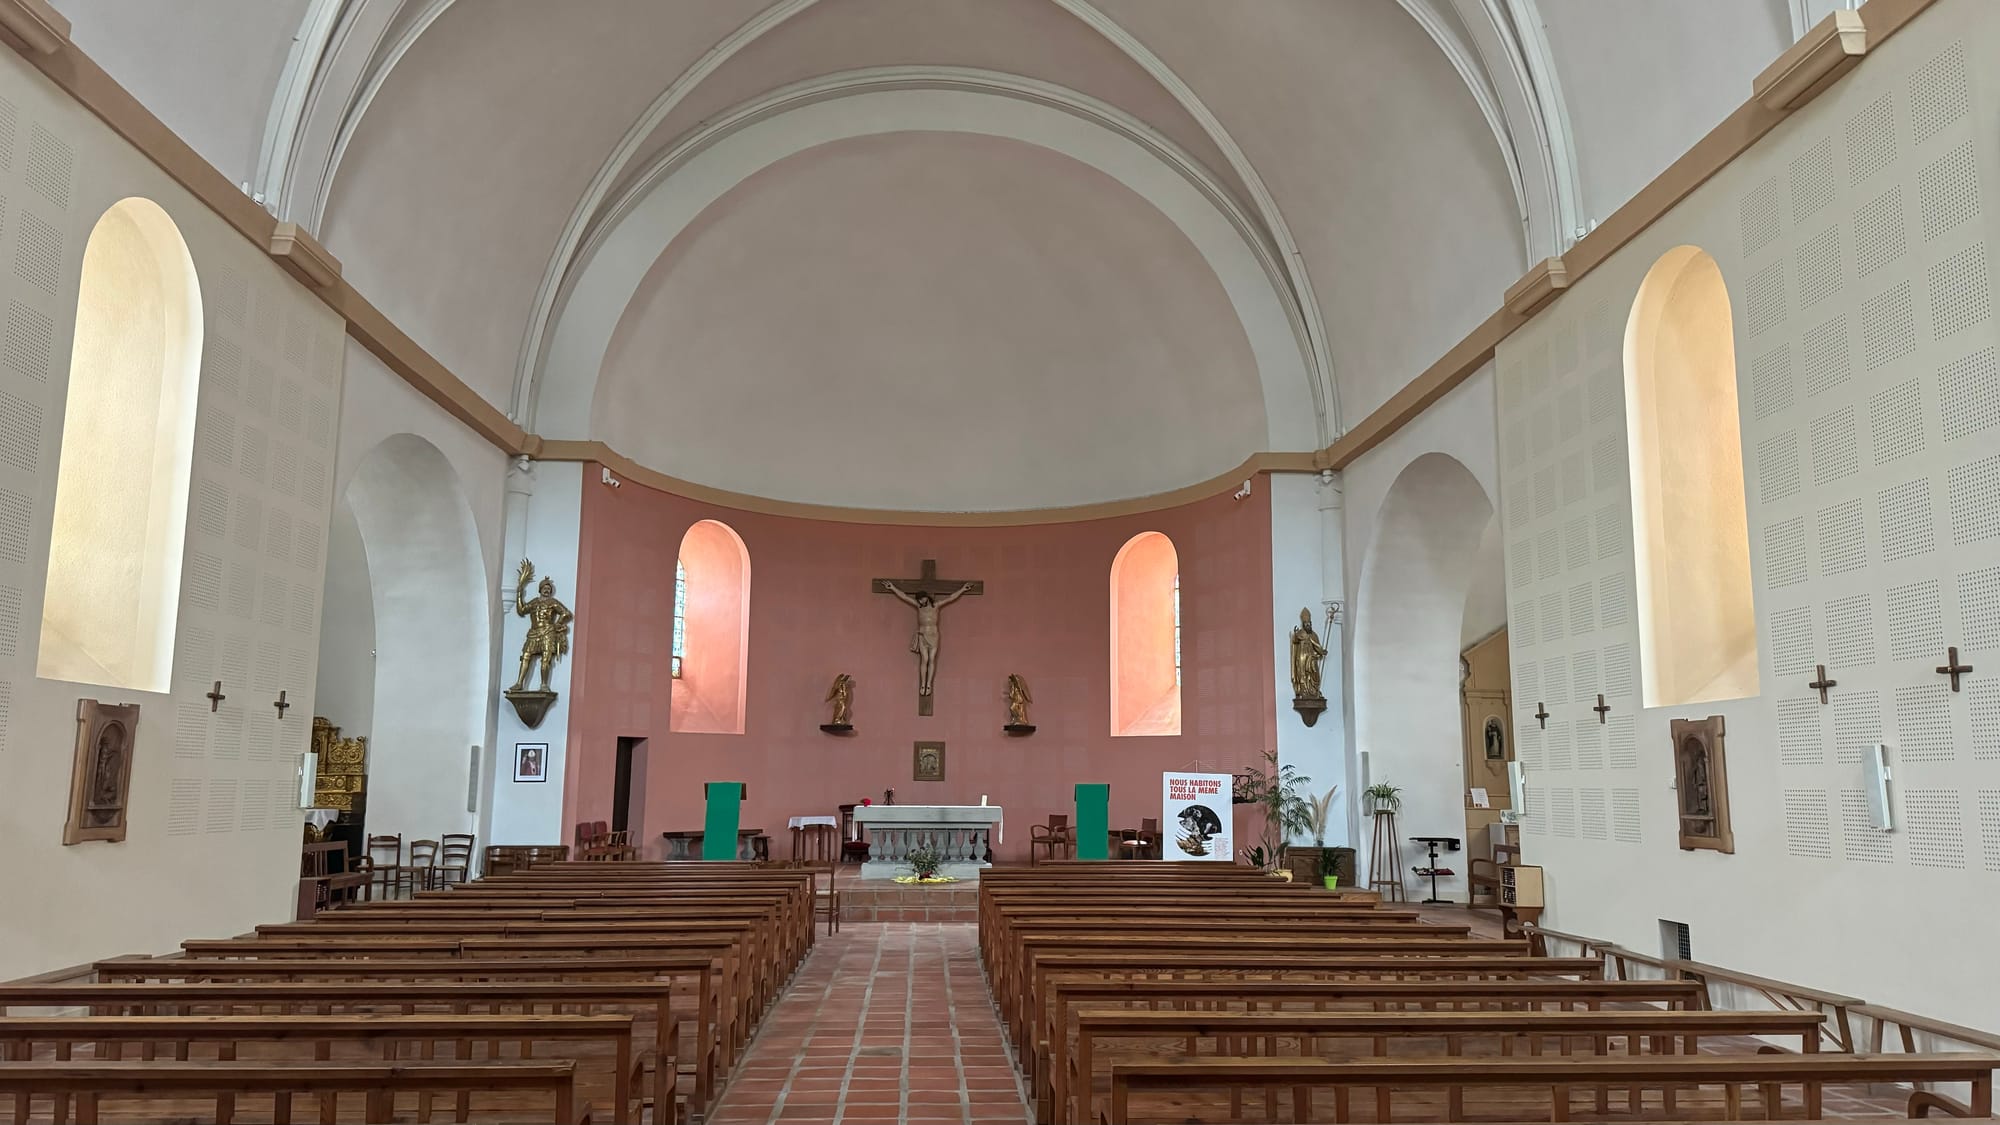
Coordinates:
1853 242
1897 411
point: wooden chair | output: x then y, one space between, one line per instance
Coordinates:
852 850
455 858
1143 844
385 862
818 846
421 873
1053 838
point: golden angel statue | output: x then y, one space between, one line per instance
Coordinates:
548 626
1017 700
841 695
1307 653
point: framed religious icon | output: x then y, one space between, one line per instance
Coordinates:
531 761
1701 785
100 781
1495 734
929 762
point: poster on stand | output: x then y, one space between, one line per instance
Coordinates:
1196 819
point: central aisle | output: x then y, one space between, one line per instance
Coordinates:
887 1022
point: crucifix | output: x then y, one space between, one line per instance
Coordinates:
926 594
1602 709
281 705
1820 685
215 696
1954 669
1542 716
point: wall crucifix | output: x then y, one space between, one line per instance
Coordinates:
1953 668
1822 684
927 594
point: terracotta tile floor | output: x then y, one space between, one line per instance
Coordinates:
886 1022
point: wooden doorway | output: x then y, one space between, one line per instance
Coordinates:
628 786
1486 704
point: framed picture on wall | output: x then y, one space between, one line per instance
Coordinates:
531 761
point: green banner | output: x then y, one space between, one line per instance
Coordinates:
725 813
1093 821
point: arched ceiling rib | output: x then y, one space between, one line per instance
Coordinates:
1389 154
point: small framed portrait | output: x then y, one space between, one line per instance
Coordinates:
531 761
929 765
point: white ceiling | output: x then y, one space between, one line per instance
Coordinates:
1393 165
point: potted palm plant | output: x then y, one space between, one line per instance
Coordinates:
1322 806
1286 813
1384 797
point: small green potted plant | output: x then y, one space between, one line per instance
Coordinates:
1329 877
1384 797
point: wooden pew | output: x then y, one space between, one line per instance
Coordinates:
1561 1077
1508 1033
538 1090
714 1024
650 1000
1071 992
395 1037
1024 1007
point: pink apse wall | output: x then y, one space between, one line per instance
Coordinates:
1044 614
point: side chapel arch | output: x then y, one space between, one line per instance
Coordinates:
1145 637
120 521
710 693
1409 624
432 646
1691 536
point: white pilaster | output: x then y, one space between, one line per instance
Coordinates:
544 520
1305 576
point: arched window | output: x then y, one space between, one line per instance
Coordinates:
1145 637
128 438
1697 625
680 615
711 631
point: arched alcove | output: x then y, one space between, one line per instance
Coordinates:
431 635
1697 620
1409 621
712 612
120 517
1145 637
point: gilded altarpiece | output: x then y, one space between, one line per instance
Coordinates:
343 770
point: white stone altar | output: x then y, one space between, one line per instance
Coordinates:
959 833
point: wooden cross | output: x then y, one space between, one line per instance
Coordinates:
1820 685
1602 709
1954 669
939 591
1541 715
215 696
281 705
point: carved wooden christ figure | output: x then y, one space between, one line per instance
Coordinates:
101 775
1701 784
927 595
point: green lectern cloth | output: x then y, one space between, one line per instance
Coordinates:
1093 821
725 812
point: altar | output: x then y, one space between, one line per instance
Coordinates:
962 834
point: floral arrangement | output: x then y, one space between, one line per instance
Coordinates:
924 863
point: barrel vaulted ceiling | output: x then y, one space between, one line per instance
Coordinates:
1324 194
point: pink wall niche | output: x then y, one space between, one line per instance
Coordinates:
708 697
1045 614
1145 690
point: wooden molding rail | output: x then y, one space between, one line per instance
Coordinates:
41 35
34 25
1879 19
1812 64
